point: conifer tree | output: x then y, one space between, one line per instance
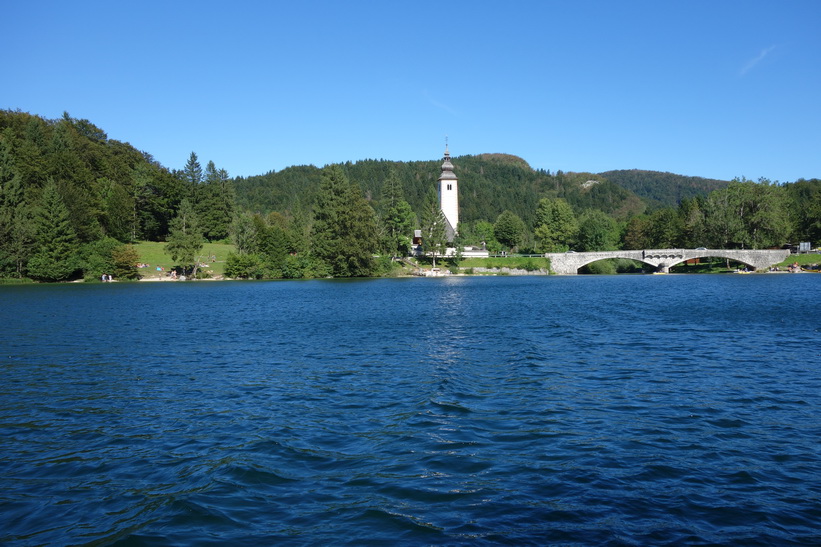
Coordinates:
344 230
399 218
11 190
185 239
16 227
56 244
216 204
192 177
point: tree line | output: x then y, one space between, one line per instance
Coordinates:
72 200
743 215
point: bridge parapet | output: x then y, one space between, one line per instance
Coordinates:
659 254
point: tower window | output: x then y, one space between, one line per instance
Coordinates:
450 187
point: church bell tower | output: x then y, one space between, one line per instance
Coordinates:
449 196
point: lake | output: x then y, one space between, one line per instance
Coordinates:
578 410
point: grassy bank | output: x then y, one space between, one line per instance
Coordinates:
808 259
153 254
513 262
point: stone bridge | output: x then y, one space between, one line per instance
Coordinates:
663 259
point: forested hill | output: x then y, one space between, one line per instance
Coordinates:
109 188
663 189
71 200
488 185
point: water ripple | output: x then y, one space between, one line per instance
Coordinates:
472 411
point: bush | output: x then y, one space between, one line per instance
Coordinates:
625 265
243 266
124 259
97 258
600 267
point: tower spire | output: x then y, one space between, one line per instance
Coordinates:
449 194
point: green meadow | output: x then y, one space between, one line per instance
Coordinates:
153 253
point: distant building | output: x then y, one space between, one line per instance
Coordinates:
449 196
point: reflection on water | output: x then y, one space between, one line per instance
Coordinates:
585 410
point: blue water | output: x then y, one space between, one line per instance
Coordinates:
583 410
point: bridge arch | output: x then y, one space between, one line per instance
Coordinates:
718 254
594 260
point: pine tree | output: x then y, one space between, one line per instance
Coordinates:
344 230
216 204
185 240
16 225
11 190
56 245
399 218
192 177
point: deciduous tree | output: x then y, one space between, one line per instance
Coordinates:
597 232
509 229
556 225
434 233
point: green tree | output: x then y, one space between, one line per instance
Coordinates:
192 177
215 208
16 219
556 225
804 198
722 225
96 258
271 242
11 203
244 266
691 215
434 233
140 192
747 214
125 258
509 229
664 228
483 231
399 219
56 245
597 232
344 231
243 234
185 240
19 246
117 210
637 233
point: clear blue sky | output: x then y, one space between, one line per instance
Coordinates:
708 88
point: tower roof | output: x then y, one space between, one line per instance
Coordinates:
447 167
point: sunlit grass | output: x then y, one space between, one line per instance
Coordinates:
153 254
802 259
